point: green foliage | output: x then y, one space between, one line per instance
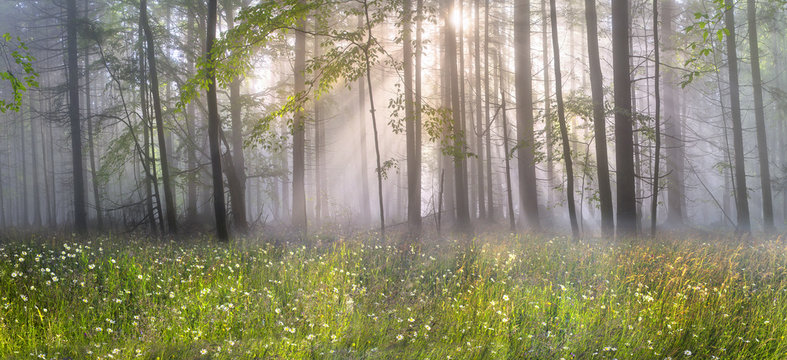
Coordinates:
19 73
707 26
499 297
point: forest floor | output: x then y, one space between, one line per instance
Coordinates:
497 296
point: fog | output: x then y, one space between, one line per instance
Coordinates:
298 146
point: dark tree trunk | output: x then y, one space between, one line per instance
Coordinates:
759 115
460 160
214 127
299 136
599 121
526 146
34 144
657 118
238 186
506 152
80 210
169 196
742 196
624 146
479 128
547 107
561 118
490 205
367 58
413 166
191 148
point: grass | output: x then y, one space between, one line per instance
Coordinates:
497 297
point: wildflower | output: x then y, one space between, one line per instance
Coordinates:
24 298
687 353
411 320
203 351
91 266
399 337
427 327
98 329
505 297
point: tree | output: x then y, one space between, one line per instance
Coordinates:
214 127
526 146
169 196
459 157
479 127
657 119
237 167
413 163
298 136
80 210
624 144
561 118
759 116
599 121
672 123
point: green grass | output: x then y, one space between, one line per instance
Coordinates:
498 297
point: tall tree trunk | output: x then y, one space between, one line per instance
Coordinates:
599 121
319 140
365 208
191 148
413 168
506 152
367 58
759 115
673 138
479 128
490 205
624 147
459 148
657 118
526 146
169 196
237 187
547 107
742 196
34 143
25 210
80 210
299 136
214 127
91 144
418 100
561 118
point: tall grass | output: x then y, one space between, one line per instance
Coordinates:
499 297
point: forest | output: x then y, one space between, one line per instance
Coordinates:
393 179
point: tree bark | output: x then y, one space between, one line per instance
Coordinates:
169 196
238 186
526 146
759 115
413 168
214 127
80 211
561 118
299 136
657 118
742 196
599 121
624 147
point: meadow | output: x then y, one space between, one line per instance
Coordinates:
496 296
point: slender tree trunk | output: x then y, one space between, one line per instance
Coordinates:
169 196
191 151
759 115
673 138
507 153
214 127
91 145
25 209
561 118
237 187
599 121
418 100
365 208
547 107
367 58
657 118
460 161
742 196
526 146
413 168
479 128
318 144
34 143
490 205
80 211
299 136
624 147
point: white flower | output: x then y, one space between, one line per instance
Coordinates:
203 351
411 320
687 353
91 266
505 297
399 337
